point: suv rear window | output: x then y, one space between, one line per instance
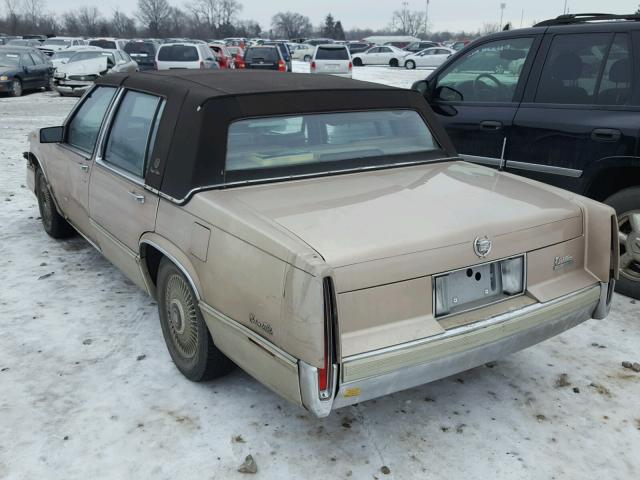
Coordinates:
327 53
346 137
140 49
103 44
266 54
178 53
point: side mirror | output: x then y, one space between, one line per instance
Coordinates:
421 86
51 135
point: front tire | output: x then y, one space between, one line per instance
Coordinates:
410 65
627 205
307 58
184 329
16 87
54 224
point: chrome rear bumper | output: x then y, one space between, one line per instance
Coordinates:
381 372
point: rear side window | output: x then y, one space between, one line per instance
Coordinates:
615 85
261 54
572 69
130 132
83 129
325 53
178 53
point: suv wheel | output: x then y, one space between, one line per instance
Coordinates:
54 224
184 329
627 205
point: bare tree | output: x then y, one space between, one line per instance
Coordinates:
408 22
90 21
154 14
13 18
488 27
290 25
122 25
71 24
33 9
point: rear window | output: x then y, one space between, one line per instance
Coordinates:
178 53
54 41
92 54
137 49
261 54
326 53
103 44
354 139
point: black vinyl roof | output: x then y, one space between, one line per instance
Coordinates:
190 150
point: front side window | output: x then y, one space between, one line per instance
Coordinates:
26 60
350 138
572 68
126 146
488 73
82 131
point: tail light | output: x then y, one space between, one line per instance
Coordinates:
282 67
313 65
350 66
325 374
201 65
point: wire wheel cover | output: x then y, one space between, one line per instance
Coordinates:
182 318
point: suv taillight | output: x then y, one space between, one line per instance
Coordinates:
350 66
325 374
313 65
282 67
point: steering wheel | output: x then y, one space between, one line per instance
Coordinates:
478 86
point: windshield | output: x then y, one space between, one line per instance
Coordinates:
87 55
53 41
316 139
178 53
8 59
328 53
103 44
63 55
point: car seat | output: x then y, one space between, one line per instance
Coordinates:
560 85
620 75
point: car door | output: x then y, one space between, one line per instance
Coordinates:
383 56
578 111
121 209
40 71
29 73
70 162
370 56
476 95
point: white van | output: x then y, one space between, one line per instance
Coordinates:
194 56
333 59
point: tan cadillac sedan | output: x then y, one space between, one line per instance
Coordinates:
318 232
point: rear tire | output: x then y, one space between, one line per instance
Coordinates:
184 329
410 65
357 62
307 58
54 224
393 62
627 205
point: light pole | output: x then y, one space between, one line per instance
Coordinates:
502 7
426 18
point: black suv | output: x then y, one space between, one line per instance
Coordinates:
558 103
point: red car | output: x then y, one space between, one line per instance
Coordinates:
238 55
223 56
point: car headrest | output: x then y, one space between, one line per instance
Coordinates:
620 71
567 66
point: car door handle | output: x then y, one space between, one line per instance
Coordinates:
84 168
491 125
606 135
139 198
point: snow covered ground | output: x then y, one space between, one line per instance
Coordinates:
88 391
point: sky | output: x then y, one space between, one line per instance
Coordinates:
452 15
